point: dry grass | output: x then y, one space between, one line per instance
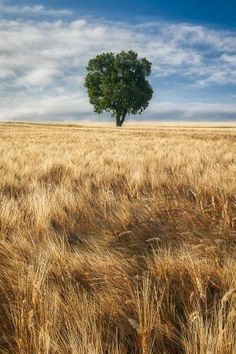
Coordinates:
117 241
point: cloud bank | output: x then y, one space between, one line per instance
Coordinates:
44 52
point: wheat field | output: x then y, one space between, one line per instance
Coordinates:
117 241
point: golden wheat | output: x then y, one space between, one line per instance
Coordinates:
117 240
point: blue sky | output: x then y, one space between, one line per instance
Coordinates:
216 12
45 46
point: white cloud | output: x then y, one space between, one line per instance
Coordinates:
231 59
61 107
37 10
41 58
25 45
64 107
38 77
193 110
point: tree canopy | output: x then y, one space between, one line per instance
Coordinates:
117 83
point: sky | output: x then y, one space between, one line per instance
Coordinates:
45 47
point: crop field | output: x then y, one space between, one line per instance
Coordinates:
117 240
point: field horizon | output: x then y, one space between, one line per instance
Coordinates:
118 240
127 124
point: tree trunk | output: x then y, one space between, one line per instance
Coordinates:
120 120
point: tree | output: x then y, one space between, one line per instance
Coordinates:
117 83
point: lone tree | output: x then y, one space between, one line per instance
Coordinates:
117 83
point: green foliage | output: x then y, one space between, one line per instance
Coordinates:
117 83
